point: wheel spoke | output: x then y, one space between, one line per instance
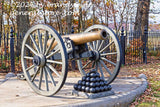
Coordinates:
40 79
52 53
106 46
39 40
108 61
94 45
29 68
86 64
34 76
105 67
53 69
52 41
90 46
93 64
27 57
35 44
46 79
112 53
100 45
31 49
50 75
52 61
97 44
101 71
45 42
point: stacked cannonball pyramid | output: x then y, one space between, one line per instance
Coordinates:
92 83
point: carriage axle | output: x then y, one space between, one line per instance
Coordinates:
49 53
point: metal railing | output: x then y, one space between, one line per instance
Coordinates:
134 51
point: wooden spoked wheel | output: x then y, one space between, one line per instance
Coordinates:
107 55
45 75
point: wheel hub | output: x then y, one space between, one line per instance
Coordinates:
96 56
39 60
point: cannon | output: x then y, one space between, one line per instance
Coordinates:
45 56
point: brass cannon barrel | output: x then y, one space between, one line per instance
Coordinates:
83 38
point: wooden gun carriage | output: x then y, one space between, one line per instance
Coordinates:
45 55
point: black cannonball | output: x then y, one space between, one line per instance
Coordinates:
101 88
88 79
92 84
105 82
101 79
97 79
97 84
102 83
109 87
97 74
88 74
92 79
83 88
92 75
97 89
75 86
79 88
92 90
87 84
106 88
87 89
83 83
79 82
93 71
83 78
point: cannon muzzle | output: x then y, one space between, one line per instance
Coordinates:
83 38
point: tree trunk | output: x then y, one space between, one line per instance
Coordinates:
142 15
114 18
93 13
141 23
22 20
59 24
1 16
69 18
44 16
22 26
105 13
107 17
83 22
80 19
79 22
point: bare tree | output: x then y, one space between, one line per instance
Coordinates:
113 11
119 11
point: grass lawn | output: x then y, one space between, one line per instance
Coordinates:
151 97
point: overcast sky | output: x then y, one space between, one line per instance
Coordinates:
155 6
